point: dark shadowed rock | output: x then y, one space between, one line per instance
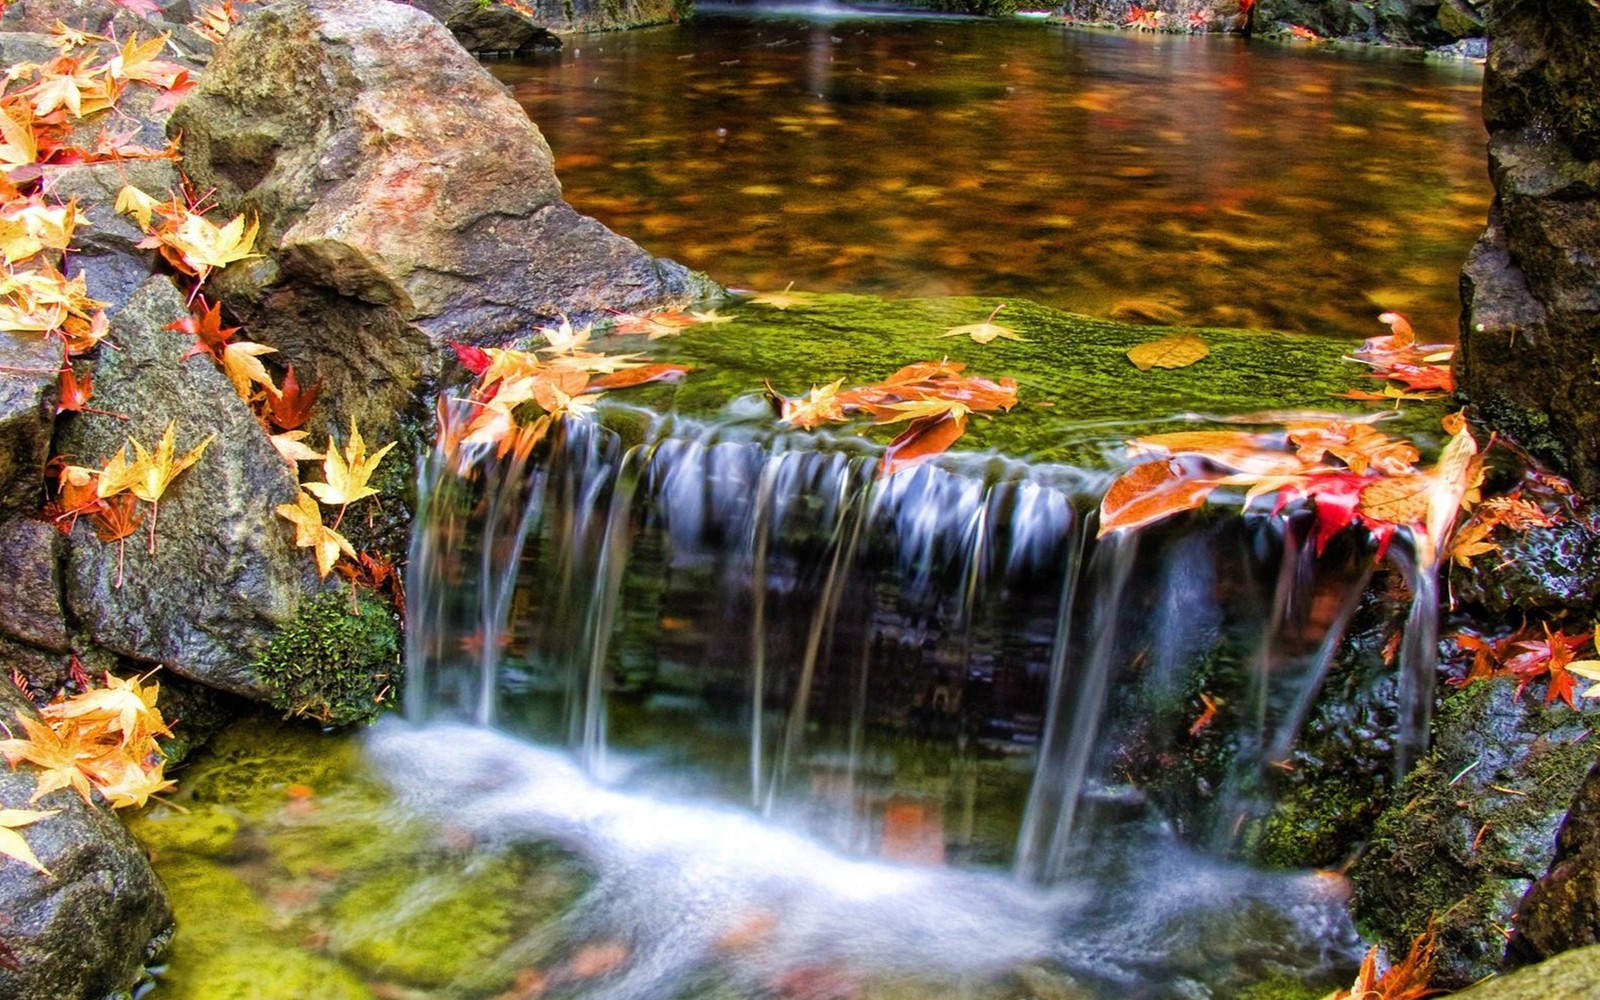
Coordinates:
487 27
105 250
1472 827
28 377
607 15
225 572
405 200
1540 569
84 933
30 584
1530 337
1562 910
1571 974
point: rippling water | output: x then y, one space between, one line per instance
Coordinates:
1181 179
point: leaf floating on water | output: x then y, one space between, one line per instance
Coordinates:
1148 493
710 316
986 331
1177 351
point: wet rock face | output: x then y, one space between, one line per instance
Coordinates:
1530 338
85 933
1548 570
225 573
1562 910
405 200
1473 826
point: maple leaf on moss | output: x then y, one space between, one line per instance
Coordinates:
12 844
310 533
985 331
786 299
1551 655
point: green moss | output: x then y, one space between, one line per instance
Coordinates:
1525 425
454 923
214 908
1280 987
331 664
1473 825
261 971
205 831
1079 396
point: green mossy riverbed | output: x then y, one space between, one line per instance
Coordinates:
293 875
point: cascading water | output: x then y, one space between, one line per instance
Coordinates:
939 666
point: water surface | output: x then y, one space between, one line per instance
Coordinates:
1200 180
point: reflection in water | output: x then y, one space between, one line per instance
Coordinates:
1175 179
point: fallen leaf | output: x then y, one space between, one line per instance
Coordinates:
12 845
985 331
311 533
1150 492
1177 351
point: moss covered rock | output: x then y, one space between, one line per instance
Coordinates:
1473 826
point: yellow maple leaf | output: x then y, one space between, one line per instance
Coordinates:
31 226
563 339
240 362
986 331
819 406
137 61
203 246
291 445
18 147
311 533
133 201
59 758
123 708
11 843
347 473
149 474
785 299
124 782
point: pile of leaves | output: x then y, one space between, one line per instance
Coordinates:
519 394
934 398
102 740
1351 473
1532 652
1409 370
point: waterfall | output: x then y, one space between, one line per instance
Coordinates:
943 661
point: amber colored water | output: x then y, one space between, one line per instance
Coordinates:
1171 178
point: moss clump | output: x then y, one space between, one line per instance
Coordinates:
334 663
1280 987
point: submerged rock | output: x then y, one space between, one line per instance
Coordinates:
1528 359
84 931
487 27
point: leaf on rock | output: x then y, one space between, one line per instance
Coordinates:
786 299
311 533
12 844
241 362
1177 351
347 473
926 437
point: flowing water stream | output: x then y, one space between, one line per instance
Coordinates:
699 708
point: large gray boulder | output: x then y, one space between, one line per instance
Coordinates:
225 573
1562 910
1530 336
1573 974
405 200
84 931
